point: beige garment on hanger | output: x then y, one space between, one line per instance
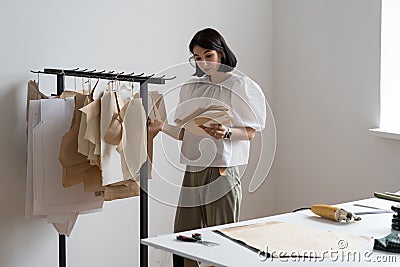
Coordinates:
83 144
133 142
110 158
113 190
156 108
92 133
75 165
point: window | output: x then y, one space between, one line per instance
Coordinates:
390 69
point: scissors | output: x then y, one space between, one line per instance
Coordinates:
196 237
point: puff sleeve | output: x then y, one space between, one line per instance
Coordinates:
248 104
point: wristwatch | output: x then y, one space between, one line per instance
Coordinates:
228 133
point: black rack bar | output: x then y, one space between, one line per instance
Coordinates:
144 211
62 253
111 75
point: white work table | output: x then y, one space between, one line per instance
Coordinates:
229 253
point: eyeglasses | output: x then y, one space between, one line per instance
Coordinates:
192 61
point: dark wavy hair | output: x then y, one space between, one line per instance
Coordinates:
211 39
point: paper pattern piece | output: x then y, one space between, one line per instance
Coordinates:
201 118
50 197
133 148
279 238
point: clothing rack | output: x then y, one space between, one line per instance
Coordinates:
144 81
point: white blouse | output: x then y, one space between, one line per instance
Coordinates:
245 100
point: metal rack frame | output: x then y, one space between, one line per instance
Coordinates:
144 81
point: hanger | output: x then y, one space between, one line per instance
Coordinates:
38 79
91 93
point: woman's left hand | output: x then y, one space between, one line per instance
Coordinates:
216 130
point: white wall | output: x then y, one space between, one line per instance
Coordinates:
318 60
121 35
326 97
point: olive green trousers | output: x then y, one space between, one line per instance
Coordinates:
209 196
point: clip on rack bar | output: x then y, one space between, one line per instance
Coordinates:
121 76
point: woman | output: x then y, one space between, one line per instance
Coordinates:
211 192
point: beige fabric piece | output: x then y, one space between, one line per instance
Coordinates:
121 190
92 157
